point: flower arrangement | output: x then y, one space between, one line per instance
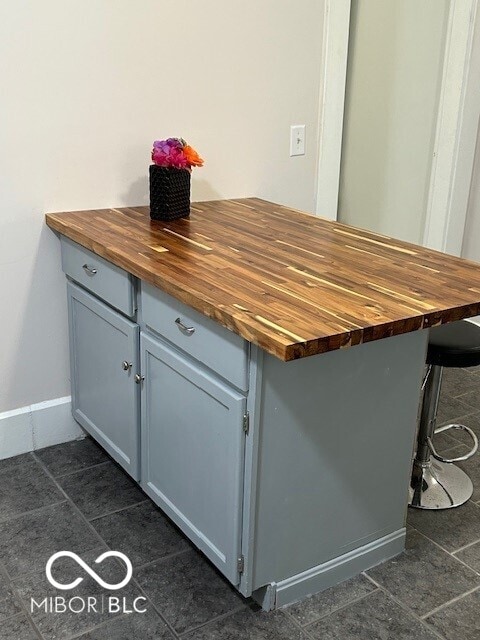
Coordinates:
173 160
176 153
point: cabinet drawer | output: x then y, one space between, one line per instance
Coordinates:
213 345
107 281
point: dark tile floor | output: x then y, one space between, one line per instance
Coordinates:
72 497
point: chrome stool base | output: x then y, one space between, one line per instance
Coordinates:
438 485
436 482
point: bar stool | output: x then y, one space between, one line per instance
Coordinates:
437 483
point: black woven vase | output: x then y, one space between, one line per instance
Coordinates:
169 193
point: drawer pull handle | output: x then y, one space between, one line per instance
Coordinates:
188 331
90 270
139 378
126 366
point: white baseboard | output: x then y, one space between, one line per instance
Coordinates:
37 426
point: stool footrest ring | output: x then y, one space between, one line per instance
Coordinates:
460 427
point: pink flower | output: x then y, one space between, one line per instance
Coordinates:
174 152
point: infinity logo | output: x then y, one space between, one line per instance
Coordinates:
86 568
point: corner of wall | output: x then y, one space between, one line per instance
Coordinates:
37 426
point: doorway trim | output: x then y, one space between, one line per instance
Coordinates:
332 103
456 131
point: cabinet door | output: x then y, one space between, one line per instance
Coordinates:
192 451
105 398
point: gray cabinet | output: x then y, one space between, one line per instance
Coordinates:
193 451
104 361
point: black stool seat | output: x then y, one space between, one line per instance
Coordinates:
454 345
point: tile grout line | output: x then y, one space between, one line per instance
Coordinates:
31 512
155 608
6 470
174 554
337 608
103 624
37 572
77 509
450 553
405 607
303 629
72 473
450 602
467 546
223 616
73 505
91 628
26 612
111 513
19 614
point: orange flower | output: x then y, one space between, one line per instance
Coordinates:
193 159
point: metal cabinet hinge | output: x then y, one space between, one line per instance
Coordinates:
241 564
246 423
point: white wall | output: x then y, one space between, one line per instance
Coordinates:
471 238
86 87
394 73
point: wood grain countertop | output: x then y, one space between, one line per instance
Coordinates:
292 283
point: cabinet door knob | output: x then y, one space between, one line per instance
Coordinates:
138 378
126 366
90 270
188 331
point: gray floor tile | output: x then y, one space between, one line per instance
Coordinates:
472 398
450 528
24 487
9 605
319 605
17 628
249 625
187 590
102 489
10 463
142 532
72 456
471 556
27 542
423 576
450 408
141 626
456 382
460 620
376 617
59 625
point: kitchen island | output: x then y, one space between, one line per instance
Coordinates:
258 370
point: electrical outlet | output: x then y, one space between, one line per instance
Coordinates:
297 140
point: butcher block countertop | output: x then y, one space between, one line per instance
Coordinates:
292 283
